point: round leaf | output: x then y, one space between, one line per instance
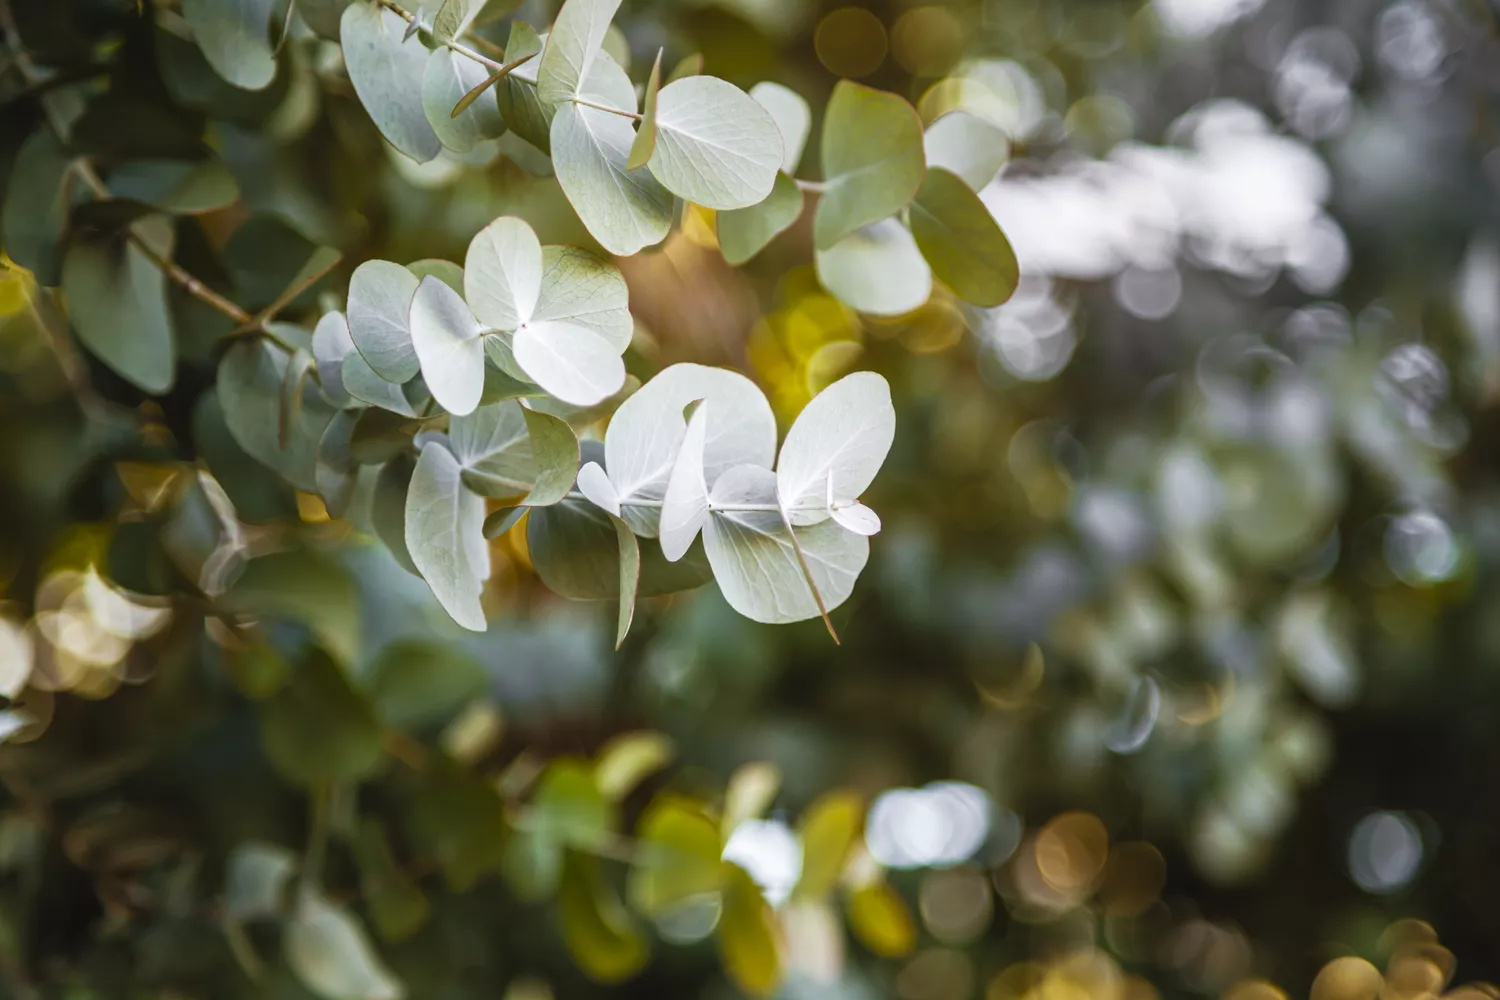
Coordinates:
380 295
840 438
962 241
792 116
715 145
966 144
571 362
235 36
448 344
877 270
117 301
872 160
445 535
503 273
447 78
387 68
744 232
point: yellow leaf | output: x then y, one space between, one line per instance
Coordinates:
747 936
682 851
827 831
880 919
598 932
625 761
752 789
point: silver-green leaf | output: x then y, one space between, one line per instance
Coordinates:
386 69
715 145
235 36
445 535
877 270
380 295
872 160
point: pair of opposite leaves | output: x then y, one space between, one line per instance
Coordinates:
555 316
671 476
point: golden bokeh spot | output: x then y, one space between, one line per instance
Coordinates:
933 328
1089 973
1347 978
1133 879
698 225
1253 989
927 41
1016 981
1413 974
1137 988
850 42
1405 933
1071 851
956 904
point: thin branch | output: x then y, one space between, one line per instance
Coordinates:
605 107
458 47
807 573
260 319
817 187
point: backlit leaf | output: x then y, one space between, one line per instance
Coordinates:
792 116
962 241
503 273
878 270
748 940
966 144
880 919
628 759
684 508
682 851
573 45
715 145
645 130
828 830
842 436
872 160
448 344
598 931
580 287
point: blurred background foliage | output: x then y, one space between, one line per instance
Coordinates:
1172 674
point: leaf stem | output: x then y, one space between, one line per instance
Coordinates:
605 107
807 574
494 78
817 187
458 47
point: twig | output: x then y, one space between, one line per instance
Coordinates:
605 107
807 573
458 47
490 81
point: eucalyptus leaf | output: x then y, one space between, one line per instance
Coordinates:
968 145
445 535
576 553
454 17
878 270
447 339
628 759
792 116
415 683
684 508
624 210
36 206
235 36
331 954
581 288
835 447
646 434
517 95
388 509
117 301
962 241
745 232
503 273
380 295
318 729
645 130
684 850
715 145
250 377
574 43
747 936
322 16
507 450
570 361
447 78
445 271
337 472
755 562
872 160
183 187
387 69
597 929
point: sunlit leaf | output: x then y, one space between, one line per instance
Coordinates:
881 921
573 45
571 362
750 791
447 78
792 116
647 430
117 301
828 830
961 240
448 344
318 729
628 759
745 232
682 856
748 940
380 295
755 562
835 447
445 535
386 70
503 273
969 146
332 956
872 160
684 508
598 931
235 36
645 130
715 145
878 270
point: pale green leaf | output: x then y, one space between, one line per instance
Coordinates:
961 240
380 295
792 116
646 433
454 17
255 880
966 144
447 78
331 344
835 447
448 343
362 384
630 576
117 302
249 382
516 94
877 270
828 831
386 70
503 273
745 232
755 563
749 793
624 210
684 508
571 362
445 535
682 860
872 160
748 940
689 65
330 953
573 45
645 130
715 145
582 288
568 807
235 36
445 271
507 450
